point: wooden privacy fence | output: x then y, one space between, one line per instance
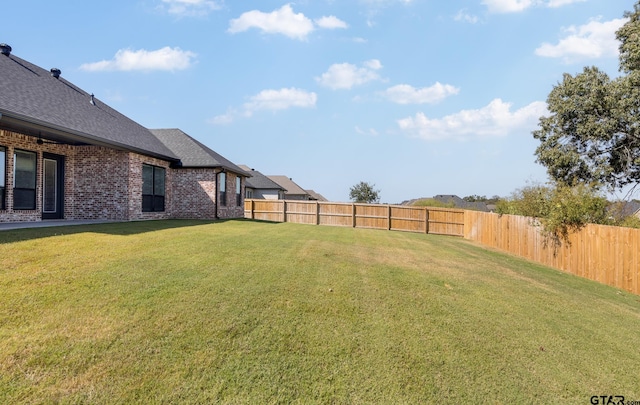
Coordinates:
441 221
607 254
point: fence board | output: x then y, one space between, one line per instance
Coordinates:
607 254
375 216
335 214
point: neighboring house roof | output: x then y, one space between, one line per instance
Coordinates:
193 153
316 196
461 203
259 180
288 184
35 102
624 209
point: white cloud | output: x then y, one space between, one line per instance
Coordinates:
190 8
593 40
507 6
382 3
375 7
515 6
273 100
283 21
406 94
331 22
281 100
368 132
346 75
560 3
166 58
494 120
464 16
373 64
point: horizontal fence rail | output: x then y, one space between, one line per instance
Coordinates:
607 254
441 221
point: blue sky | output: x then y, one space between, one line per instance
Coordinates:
419 97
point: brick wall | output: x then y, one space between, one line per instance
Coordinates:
194 192
12 141
194 195
230 208
105 183
100 185
134 174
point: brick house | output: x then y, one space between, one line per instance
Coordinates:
260 186
293 191
64 154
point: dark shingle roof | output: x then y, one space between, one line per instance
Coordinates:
259 180
193 153
316 196
31 98
289 185
624 209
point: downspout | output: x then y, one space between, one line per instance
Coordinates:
215 200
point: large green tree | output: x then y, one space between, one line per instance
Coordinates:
364 192
592 133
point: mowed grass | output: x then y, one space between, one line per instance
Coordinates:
254 312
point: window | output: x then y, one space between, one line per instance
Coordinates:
24 180
238 190
222 181
248 193
3 176
153 188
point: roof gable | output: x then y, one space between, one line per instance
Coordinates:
33 96
260 181
193 153
316 196
288 184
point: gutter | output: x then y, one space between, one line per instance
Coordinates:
76 136
215 200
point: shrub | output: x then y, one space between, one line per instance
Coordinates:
559 209
430 202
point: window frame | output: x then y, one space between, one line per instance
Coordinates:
25 190
3 177
222 184
238 191
154 193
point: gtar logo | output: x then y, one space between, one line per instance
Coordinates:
607 400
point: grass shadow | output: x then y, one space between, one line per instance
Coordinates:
111 228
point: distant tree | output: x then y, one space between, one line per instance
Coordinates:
364 192
482 198
475 198
592 134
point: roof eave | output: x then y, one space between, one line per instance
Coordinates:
224 168
71 135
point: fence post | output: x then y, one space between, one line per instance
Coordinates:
426 220
284 210
353 215
253 209
388 217
317 212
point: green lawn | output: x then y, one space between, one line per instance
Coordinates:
254 312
